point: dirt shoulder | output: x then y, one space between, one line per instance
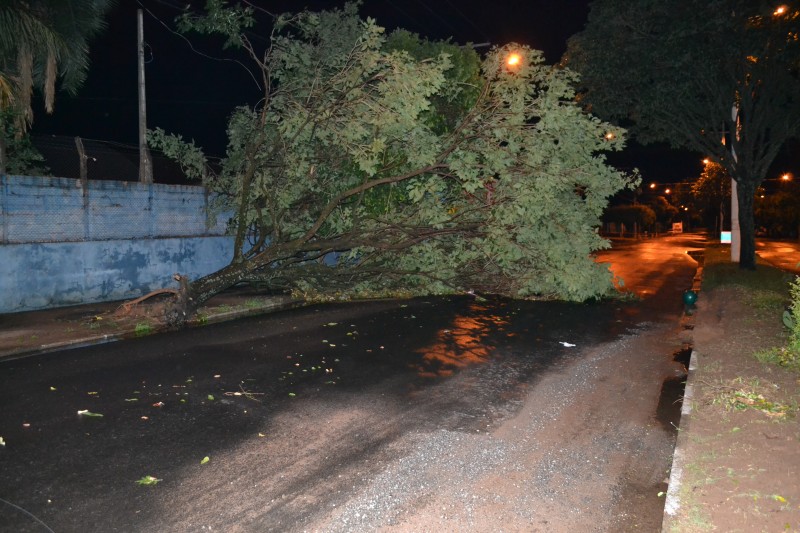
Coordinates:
739 446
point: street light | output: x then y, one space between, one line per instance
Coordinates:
780 10
786 177
513 61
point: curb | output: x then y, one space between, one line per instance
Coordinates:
673 501
127 334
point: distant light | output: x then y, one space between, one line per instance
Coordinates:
706 161
667 191
653 185
685 208
513 60
786 177
781 10
610 136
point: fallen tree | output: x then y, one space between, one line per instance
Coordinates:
392 165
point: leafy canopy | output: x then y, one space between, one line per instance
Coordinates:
692 73
424 169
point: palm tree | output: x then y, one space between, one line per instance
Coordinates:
42 42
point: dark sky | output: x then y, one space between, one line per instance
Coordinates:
190 94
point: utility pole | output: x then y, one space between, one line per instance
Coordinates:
145 163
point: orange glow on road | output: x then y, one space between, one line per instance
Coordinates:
463 345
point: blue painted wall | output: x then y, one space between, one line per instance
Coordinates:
61 244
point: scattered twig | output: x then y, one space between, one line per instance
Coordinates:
18 508
247 394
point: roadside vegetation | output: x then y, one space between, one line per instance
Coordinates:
740 436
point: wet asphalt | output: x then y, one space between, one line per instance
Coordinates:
170 401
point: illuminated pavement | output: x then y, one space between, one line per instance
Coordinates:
783 254
351 417
651 267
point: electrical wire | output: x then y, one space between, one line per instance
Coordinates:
198 52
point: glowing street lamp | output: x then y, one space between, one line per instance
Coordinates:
786 177
780 10
514 60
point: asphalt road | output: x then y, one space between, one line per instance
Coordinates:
428 414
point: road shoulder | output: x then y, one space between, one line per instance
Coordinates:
739 448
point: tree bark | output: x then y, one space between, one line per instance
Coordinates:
746 197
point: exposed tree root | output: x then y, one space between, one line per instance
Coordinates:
127 307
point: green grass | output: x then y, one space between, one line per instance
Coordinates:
718 271
142 328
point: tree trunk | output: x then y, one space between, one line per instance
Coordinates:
191 296
746 197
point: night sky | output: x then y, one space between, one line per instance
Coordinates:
193 95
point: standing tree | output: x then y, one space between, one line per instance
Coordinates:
421 169
712 195
40 42
693 74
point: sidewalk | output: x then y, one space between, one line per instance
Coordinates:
736 464
34 332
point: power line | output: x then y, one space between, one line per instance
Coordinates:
198 52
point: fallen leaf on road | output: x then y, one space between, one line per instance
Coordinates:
148 480
86 412
3 442
205 460
567 344
211 397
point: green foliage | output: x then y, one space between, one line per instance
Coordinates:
711 195
675 70
794 308
629 215
41 40
463 82
778 211
424 173
664 211
22 158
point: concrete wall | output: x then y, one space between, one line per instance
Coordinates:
61 244
34 209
